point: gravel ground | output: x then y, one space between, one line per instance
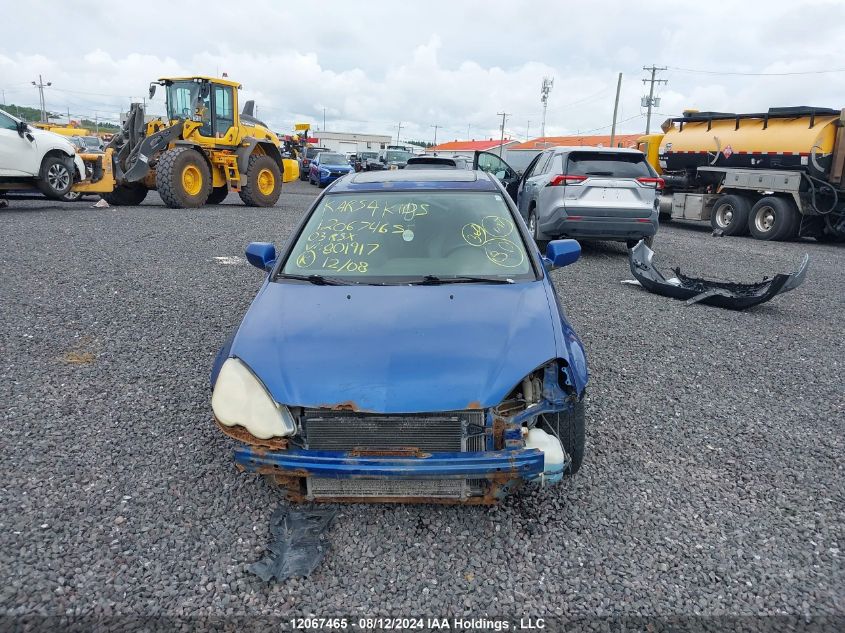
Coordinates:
713 482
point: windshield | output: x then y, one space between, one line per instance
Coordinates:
327 158
397 156
182 99
404 236
311 152
91 141
368 155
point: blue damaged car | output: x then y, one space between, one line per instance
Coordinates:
407 344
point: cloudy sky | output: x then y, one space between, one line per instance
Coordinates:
455 63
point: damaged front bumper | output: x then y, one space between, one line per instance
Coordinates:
483 477
722 294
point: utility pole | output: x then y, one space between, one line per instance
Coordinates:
68 115
615 110
96 123
324 119
504 116
527 129
436 127
469 125
545 89
398 132
650 101
41 85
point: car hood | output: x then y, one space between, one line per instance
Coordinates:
395 349
51 139
327 166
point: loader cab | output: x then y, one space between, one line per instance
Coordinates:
213 103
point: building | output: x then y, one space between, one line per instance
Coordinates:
467 148
347 143
520 155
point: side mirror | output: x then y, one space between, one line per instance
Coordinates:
261 255
22 128
563 252
205 90
152 90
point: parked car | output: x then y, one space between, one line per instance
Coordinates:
389 159
590 193
407 344
93 144
326 167
362 158
33 158
439 162
308 155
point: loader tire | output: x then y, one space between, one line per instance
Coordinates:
126 195
218 195
183 178
263 182
730 215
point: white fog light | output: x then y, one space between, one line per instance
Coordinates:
240 398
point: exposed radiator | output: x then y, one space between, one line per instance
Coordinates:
368 488
456 431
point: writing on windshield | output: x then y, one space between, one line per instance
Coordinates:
409 235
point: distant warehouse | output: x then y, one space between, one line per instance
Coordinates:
520 155
344 142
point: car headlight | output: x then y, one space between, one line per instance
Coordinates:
325 172
240 398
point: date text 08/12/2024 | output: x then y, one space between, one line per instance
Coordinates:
417 623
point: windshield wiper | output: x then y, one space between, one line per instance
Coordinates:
317 280
433 280
599 173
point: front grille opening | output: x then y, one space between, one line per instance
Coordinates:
453 432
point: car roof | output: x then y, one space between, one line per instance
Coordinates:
415 179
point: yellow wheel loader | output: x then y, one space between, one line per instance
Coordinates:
200 152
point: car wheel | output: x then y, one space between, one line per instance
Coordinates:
649 241
217 195
773 218
534 229
56 177
71 196
264 182
126 195
569 427
730 215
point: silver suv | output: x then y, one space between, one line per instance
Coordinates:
590 193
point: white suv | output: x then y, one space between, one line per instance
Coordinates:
32 157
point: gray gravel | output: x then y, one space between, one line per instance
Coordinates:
713 482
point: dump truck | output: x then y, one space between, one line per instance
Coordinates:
199 152
776 175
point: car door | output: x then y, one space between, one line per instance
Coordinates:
18 155
522 192
489 162
534 180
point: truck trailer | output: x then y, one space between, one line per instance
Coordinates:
777 175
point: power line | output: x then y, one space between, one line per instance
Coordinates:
784 74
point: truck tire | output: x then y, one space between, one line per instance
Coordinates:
569 427
263 182
730 215
126 195
773 218
218 195
183 178
56 176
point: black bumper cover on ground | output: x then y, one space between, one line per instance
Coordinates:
722 294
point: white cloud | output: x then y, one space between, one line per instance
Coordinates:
455 64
